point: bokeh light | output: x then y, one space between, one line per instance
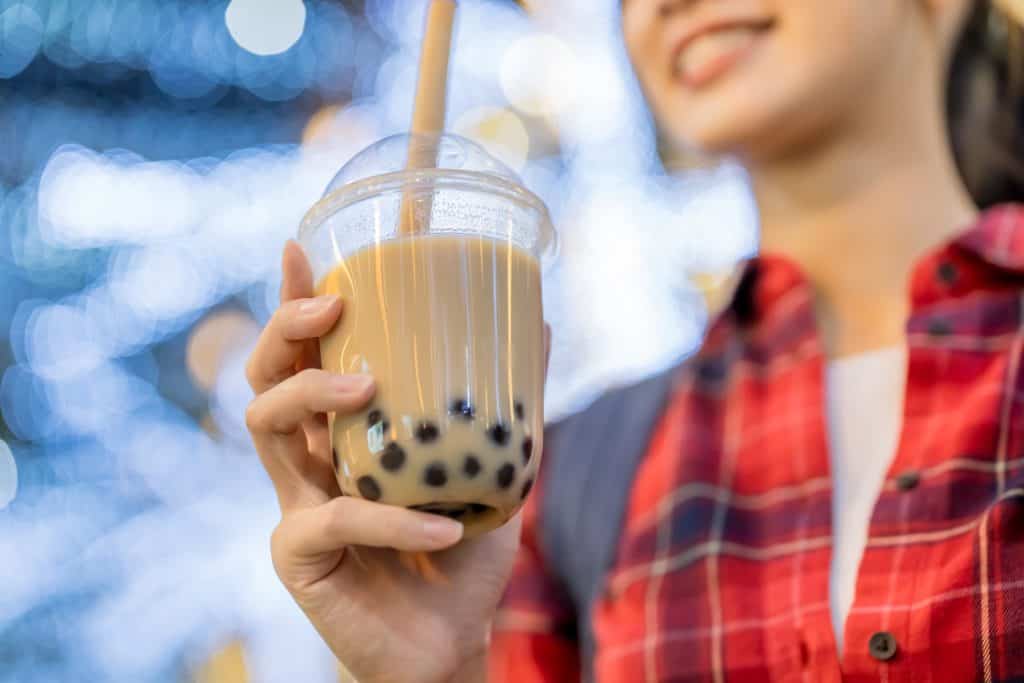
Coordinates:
321 125
21 36
540 75
501 132
8 475
266 27
214 340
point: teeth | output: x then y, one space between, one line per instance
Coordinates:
711 46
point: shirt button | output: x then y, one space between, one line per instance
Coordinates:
946 273
882 646
712 370
908 481
939 328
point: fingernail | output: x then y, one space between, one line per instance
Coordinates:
317 304
352 384
442 531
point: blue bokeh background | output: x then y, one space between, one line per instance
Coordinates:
154 156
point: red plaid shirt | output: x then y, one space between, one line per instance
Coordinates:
722 570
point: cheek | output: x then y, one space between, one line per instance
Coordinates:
798 80
746 108
829 78
844 44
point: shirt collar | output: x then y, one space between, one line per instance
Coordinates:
998 238
995 242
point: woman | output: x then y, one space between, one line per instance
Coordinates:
832 488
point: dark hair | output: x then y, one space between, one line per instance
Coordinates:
985 102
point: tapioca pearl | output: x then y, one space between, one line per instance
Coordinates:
526 489
527 450
427 432
435 475
462 409
478 508
369 488
519 411
393 457
471 466
506 475
499 434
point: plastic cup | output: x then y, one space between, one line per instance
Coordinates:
444 310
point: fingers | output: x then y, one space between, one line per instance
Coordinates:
283 343
297 283
345 521
288 341
282 409
296 275
301 476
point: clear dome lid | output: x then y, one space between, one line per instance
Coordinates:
467 191
391 155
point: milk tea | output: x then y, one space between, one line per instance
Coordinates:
451 327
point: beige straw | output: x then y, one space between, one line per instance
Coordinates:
428 120
431 99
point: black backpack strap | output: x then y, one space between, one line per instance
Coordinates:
590 462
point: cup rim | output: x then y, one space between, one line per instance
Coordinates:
366 188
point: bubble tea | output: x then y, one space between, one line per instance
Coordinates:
447 317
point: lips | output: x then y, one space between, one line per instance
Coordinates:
708 51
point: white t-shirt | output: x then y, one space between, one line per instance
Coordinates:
865 416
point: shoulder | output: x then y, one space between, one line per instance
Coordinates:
595 451
627 407
612 410
590 460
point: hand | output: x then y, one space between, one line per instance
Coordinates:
337 555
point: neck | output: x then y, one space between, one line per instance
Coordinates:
856 214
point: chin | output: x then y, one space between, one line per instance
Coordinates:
738 136
743 128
